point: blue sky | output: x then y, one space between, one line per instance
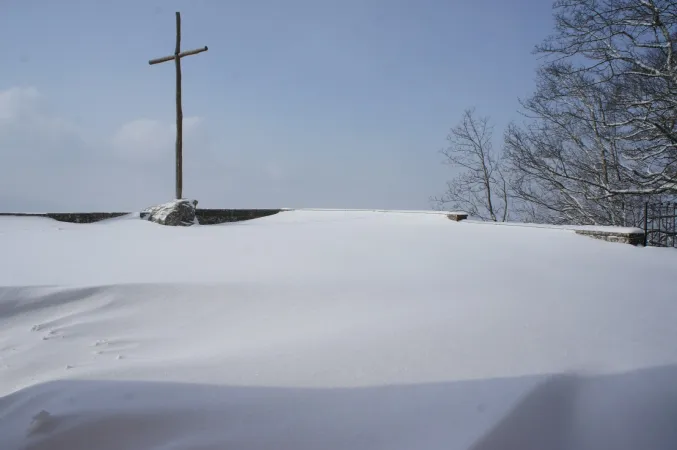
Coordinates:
297 103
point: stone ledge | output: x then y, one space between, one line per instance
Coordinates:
614 236
216 216
457 216
204 216
71 217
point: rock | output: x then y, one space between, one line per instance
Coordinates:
175 213
457 216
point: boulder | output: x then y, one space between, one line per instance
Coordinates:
175 213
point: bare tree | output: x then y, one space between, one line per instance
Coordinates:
601 136
480 189
565 163
628 47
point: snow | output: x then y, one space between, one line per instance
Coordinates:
333 330
595 228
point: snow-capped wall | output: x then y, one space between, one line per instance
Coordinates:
623 237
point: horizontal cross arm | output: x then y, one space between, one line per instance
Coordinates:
180 55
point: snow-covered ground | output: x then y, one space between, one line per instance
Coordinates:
333 330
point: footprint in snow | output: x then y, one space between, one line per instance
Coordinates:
53 334
113 346
43 422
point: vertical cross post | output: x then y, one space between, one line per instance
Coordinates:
646 221
179 111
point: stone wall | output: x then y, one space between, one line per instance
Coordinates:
615 236
619 235
457 216
216 216
72 217
204 216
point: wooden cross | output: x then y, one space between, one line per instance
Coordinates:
179 112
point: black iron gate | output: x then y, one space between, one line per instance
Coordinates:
660 224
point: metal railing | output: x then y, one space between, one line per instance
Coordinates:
660 224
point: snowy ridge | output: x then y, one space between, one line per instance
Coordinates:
338 330
600 228
390 211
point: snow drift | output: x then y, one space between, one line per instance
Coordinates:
334 330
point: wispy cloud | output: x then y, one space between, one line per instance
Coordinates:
49 163
149 139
